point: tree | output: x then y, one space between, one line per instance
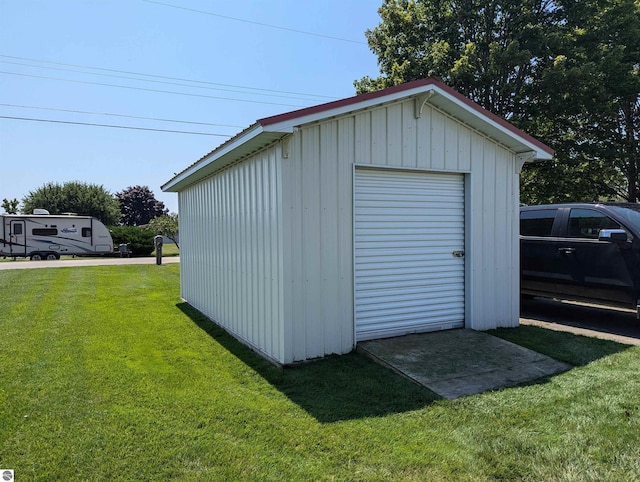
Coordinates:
138 206
166 225
10 207
565 71
592 93
74 197
491 51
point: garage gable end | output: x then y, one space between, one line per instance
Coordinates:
424 91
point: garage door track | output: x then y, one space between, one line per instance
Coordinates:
457 363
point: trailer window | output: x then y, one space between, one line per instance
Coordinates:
17 229
44 232
86 232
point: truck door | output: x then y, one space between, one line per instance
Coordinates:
539 229
594 269
18 238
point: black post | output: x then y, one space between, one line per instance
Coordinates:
158 242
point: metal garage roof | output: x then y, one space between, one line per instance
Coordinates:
270 129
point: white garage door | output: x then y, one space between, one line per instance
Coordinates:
409 252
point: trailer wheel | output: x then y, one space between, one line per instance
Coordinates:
51 256
36 257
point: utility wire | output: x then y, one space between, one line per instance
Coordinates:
119 115
258 23
154 81
166 77
112 126
150 90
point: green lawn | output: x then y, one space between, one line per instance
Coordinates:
106 375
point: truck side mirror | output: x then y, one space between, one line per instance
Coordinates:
613 235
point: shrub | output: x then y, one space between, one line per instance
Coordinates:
140 240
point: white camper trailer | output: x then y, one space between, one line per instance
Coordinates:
45 236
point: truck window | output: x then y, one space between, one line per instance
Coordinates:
86 232
537 223
44 231
587 223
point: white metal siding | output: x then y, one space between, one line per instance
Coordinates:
492 236
317 203
231 250
407 227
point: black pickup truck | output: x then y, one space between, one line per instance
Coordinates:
585 252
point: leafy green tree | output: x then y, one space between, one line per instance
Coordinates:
166 225
139 206
491 51
564 71
74 197
592 94
10 206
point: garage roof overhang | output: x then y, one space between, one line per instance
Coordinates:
270 129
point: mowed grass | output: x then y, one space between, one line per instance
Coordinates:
105 374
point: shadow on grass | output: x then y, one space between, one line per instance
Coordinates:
576 350
332 389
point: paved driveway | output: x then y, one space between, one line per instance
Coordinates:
611 323
62 263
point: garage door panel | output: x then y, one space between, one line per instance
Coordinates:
407 317
407 225
402 272
379 308
372 275
406 265
445 321
383 292
373 289
369 237
438 240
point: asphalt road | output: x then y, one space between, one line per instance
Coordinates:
603 322
97 261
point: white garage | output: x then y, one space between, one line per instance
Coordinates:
380 215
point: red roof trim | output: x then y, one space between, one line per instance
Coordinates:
317 109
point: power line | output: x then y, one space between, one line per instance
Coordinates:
154 81
120 115
166 77
112 126
150 90
258 23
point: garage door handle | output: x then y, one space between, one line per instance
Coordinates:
458 254
567 250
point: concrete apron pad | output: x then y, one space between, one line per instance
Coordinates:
457 363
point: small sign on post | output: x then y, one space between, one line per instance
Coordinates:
158 243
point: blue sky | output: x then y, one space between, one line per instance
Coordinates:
211 67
